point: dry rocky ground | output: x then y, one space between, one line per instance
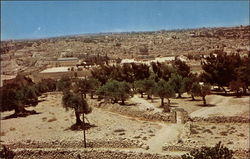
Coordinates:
117 134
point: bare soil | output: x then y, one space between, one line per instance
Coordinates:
116 135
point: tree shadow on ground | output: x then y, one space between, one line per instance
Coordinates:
41 100
196 100
181 97
130 104
24 114
207 105
173 103
230 94
79 127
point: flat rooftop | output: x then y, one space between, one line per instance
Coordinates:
55 69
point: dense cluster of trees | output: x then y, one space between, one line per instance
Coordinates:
118 82
226 70
21 92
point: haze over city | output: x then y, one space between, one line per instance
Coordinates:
40 19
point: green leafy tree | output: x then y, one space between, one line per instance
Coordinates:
236 86
164 89
85 86
178 84
141 71
79 105
140 87
115 91
204 91
123 92
64 83
17 94
190 85
149 86
181 67
194 90
243 73
46 85
82 86
94 84
162 70
220 69
102 73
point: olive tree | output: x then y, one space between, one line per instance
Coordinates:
164 89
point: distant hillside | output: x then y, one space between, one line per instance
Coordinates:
35 53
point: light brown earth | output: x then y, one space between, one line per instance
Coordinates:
48 131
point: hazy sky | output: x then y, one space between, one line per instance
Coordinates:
27 19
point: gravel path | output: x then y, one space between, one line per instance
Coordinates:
168 134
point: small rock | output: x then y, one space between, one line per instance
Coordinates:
146 147
150 131
119 130
137 137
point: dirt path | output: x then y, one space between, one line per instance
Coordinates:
168 134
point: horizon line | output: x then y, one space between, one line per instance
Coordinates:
119 32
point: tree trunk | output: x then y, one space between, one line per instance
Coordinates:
168 101
149 97
84 135
141 95
204 100
85 95
162 102
244 90
193 99
115 100
123 102
91 95
152 100
224 89
99 98
237 93
78 120
179 95
19 109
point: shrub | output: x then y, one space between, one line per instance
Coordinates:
216 152
6 152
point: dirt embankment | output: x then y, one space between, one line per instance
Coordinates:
135 111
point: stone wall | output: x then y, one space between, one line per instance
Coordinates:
137 113
222 119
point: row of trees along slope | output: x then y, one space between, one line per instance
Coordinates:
165 81
119 82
